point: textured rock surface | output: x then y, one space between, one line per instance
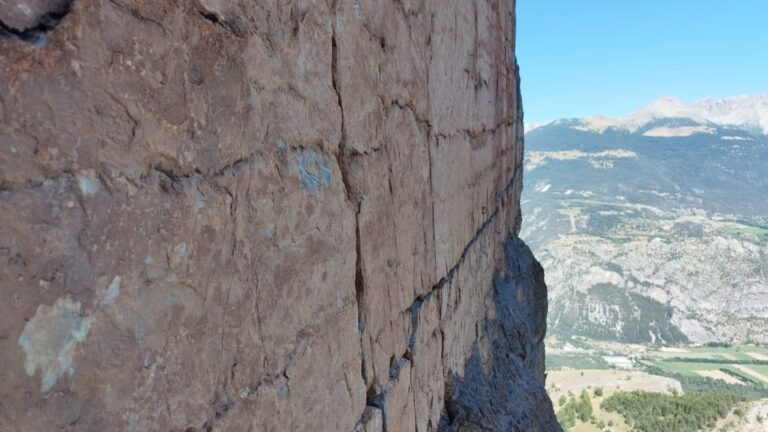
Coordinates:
502 388
264 216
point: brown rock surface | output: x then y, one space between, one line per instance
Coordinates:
260 215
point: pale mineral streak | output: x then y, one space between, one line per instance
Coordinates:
50 339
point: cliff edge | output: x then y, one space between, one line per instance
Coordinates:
265 216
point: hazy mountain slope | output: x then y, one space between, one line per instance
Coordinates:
655 232
744 112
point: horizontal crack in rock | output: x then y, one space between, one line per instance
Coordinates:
228 24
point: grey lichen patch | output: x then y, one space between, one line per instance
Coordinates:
180 250
155 269
88 183
199 205
358 11
313 169
244 392
50 339
282 391
112 292
178 253
270 231
198 200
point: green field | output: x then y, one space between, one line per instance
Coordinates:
685 368
694 368
735 353
738 229
740 364
575 361
760 375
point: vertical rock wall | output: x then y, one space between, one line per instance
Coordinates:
264 216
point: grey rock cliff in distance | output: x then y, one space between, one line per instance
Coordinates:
265 216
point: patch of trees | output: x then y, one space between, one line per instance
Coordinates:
656 412
574 408
719 344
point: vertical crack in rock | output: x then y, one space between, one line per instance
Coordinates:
379 399
47 21
335 70
432 191
414 310
341 158
359 292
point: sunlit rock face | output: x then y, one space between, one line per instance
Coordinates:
267 216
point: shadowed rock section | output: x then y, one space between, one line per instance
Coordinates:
264 216
503 386
30 20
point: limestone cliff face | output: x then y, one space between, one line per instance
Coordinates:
265 216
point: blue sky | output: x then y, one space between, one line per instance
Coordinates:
580 58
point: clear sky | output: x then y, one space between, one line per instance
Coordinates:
584 57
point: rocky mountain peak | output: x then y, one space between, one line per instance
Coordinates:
743 112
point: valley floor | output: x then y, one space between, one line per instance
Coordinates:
602 369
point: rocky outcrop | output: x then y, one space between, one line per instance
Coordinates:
265 216
502 388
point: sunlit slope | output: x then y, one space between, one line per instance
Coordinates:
654 235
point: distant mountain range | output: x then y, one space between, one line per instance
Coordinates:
654 228
749 113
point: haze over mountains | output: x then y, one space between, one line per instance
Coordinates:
654 227
742 112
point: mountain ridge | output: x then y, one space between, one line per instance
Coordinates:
748 112
653 232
